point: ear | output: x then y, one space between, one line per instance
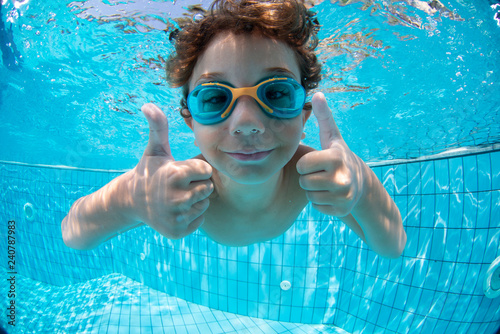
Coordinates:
305 115
188 120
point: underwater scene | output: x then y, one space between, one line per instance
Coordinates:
414 88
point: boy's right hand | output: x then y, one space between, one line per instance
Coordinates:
169 196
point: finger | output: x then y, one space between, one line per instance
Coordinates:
314 181
316 161
329 198
200 190
180 174
328 130
332 210
200 170
320 197
158 144
194 212
195 224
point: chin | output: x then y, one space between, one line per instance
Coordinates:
249 175
250 178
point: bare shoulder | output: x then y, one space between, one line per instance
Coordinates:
200 157
291 166
301 151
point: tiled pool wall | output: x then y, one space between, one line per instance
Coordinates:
317 272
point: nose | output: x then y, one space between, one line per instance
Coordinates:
246 118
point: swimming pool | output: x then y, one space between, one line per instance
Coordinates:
75 126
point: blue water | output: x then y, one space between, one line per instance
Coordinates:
405 83
402 83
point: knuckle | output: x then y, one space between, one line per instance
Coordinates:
303 181
342 178
176 172
201 166
202 205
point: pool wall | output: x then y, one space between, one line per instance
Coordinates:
318 272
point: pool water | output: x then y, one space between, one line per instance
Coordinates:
414 89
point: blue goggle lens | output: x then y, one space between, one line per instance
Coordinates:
213 102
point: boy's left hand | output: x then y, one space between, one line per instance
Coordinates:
333 177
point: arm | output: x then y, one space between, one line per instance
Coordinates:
339 183
98 217
376 218
169 196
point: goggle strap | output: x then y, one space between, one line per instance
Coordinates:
243 91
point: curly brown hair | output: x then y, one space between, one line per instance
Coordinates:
288 21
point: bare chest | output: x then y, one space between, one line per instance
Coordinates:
233 227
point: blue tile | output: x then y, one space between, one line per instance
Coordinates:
458 280
300 256
390 293
402 204
437 250
400 180
374 313
470 214
445 277
414 179
414 296
474 305
456 175
492 248
456 214
494 221
394 320
414 211
443 211
466 239
495 169
432 277
277 254
232 269
428 211
428 180
388 179
440 326
296 314
401 296
484 172
311 277
442 176
383 317
288 254
471 279
479 245
452 244
484 209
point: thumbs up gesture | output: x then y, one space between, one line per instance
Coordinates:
333 177
169 196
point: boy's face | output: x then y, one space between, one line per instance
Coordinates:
248 146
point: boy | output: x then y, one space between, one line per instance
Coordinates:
245 69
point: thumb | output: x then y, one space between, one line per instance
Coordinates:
158 144
328 130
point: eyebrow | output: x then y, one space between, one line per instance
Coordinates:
281 70
219 76
212 76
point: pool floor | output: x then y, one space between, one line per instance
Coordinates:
117 304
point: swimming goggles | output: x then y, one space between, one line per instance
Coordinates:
213 102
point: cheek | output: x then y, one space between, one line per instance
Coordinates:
287 130
207 139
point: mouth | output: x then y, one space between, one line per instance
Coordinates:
250 156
